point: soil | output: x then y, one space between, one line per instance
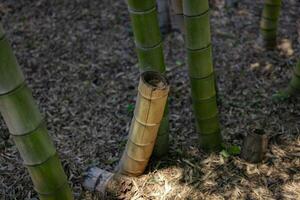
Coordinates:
78 57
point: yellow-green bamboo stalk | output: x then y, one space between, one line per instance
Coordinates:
28 130
269 23
149 49
151 100
201 73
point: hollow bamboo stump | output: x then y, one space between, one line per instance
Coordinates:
151 100
255 146
106 184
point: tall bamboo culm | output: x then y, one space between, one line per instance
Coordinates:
269 23
149 47
201 73
28 130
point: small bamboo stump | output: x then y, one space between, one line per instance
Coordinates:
255 146
107 184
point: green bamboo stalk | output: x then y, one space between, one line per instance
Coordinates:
269 23
201 73
147 35
28 130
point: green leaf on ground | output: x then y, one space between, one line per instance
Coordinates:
130 108
280 96
224 153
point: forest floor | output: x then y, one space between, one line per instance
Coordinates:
78 57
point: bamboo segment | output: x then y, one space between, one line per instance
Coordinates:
146 28
163 13
201 66
149 47
193 8
10 72
26 126
151 58
269 23
271 12
204 88
19 111
197 31
151 100
29 143
208 126
48 177
141 6
176 7
205 108
201 72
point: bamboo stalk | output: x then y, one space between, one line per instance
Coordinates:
163 13
177 15
201 73
149 48
152 96
8 67
269 23
26 126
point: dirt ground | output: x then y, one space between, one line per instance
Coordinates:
78 57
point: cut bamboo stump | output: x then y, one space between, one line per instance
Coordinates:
106 184
151 100
255 146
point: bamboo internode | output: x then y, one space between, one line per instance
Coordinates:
176 7
8 67
28 130
151 100
269 23
148 41
201 73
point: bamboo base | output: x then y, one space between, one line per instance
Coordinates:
255 146
210 142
